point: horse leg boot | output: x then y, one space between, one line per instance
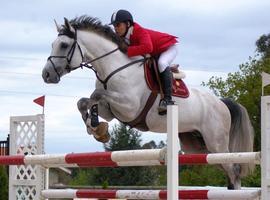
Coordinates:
166 80
100 129
89 112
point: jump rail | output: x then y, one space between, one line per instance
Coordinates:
152 194
157 157
147 157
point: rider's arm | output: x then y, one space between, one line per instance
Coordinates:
145 45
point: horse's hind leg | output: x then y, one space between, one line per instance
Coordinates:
233 173
234 180
217 141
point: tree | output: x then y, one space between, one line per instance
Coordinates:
3 183
263 45
244 86
122 138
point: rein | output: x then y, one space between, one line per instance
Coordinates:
88 64
105 81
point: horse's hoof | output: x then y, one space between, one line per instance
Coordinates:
104 139
230 186
162 108
102 129
162 112
101 132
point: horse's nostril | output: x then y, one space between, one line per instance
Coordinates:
47 74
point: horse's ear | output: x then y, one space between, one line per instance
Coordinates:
68 25
58 27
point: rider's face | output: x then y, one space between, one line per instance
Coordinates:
120 28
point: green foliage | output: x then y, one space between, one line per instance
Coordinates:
3 183
83 176
202 175
253 180
244 86
263 45
122 138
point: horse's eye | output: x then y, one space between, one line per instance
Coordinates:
64 45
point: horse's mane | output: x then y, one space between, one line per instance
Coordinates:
85 22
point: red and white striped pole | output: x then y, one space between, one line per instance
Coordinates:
152 194
147 157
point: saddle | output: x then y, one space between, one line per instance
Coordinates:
152 77
179 88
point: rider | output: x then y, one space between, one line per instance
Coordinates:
142 41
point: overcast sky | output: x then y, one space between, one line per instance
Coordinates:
215 37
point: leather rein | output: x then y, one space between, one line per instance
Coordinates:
88 64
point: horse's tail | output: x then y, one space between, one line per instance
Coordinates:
241 133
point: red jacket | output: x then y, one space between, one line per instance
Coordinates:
145 41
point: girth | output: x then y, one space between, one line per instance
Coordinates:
140 121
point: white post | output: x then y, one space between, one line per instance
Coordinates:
265 147
26 137
172 152
47 179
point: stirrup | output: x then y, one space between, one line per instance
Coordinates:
162 107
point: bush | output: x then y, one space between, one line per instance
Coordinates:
202 176
3 183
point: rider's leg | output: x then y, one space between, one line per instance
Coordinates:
164 62
166 79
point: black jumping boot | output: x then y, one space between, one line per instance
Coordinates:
166 81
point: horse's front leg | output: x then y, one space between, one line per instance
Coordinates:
89 110
125 106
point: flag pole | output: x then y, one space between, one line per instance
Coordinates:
43 107
40 101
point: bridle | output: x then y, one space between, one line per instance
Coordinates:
88 64
69 55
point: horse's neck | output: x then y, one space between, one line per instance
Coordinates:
97 46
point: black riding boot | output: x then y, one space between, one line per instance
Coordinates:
166 81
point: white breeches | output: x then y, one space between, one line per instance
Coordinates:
166 58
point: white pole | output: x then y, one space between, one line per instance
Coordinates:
47 178
172 152
265 147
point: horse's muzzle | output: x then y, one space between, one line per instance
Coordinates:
49 77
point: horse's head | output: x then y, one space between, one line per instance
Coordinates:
66 54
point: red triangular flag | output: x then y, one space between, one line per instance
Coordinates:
40 100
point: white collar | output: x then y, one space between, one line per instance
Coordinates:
129 32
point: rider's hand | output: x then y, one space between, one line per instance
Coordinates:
123 47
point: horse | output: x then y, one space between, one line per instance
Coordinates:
121 92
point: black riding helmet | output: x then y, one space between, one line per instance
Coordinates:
121 16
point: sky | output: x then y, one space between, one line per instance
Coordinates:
216 36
